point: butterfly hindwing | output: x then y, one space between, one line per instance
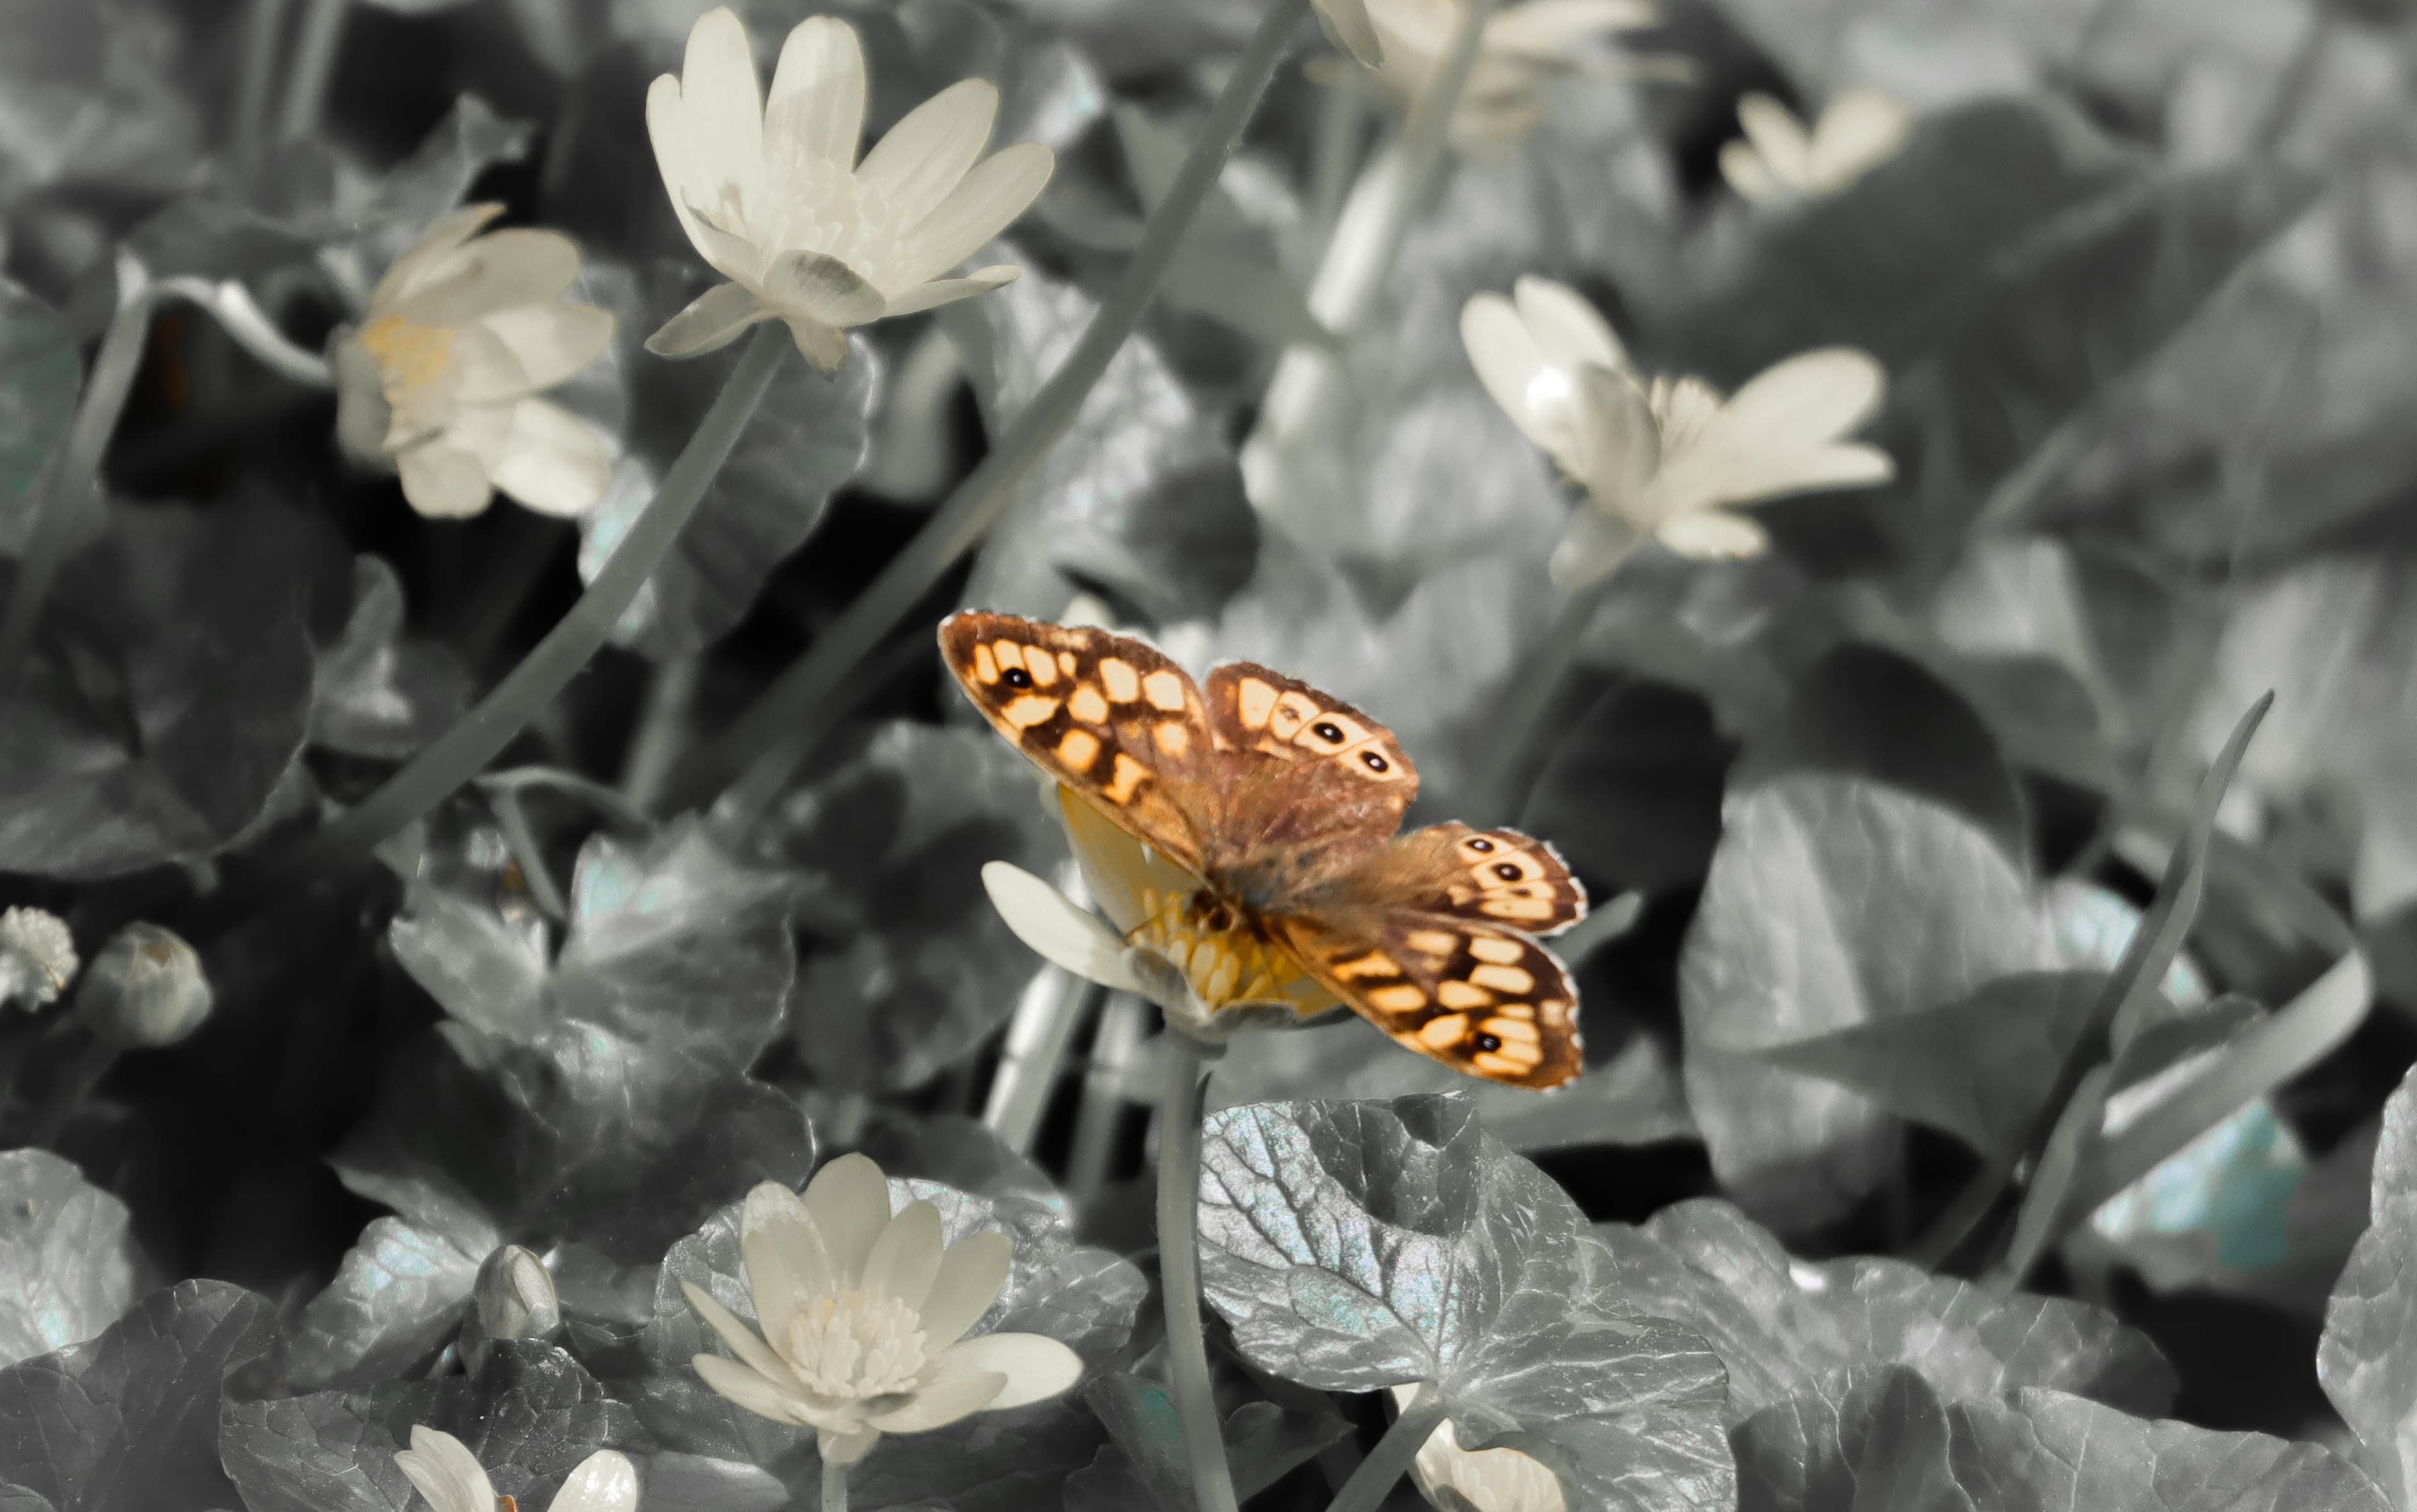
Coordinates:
1478 997
1111 717
1492 875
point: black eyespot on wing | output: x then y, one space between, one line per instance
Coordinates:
1488 1043
1481 844
1376 762
1327 730
1015 676
1506 871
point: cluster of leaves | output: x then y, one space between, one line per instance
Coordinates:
1991 1057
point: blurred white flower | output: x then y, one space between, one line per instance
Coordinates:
772 196
1347 22
438 381
38 957
1522 48
1487 1480
1668 459
865 1314
448 1474
1778 158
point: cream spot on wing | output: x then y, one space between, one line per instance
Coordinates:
1293 710
1122 683
1500 951
1078 750
1453 994
1509 979
1254 700
1029 711
1512 1030
985 664
1509 1061
1171 738
1518 909
1442 1034
1376 963
1010 652
1088 706
1432 941
1164 689
1126 779
1401 998
1043 669
1066 663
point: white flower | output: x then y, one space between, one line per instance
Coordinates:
772 196
1347 22
1668 458
865 1313
1522 48
1487 1480
448 1474
437 382
38 957
1779 160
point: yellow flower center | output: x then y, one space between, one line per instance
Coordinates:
1225 960
409 356
858 1344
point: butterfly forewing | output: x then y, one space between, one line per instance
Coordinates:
1497 877
1109 716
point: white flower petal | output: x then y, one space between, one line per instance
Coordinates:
605 1481
1810 398
554 462
1747 172
1714 535
549 343
1347 22
951 1390
503 268
949 290
905 1258
1514 370
926 154
730 254
815 112
1036 1365
847 1448
1058 932
850 1201
822 288
1779 136
1549 29
1861 128
825 346
443 1470
1000 188
675 159
415 266
722 106
484 431
734 1333
1566 325
972 1273
736 1382
786 1266
444 483
711 321
1619 445
362 415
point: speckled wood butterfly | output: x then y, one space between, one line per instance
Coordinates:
1281 805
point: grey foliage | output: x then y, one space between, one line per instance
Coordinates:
2365 1360
39 373
66 1260
379 692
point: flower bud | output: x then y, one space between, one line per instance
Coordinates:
515 1295
38 957
146 989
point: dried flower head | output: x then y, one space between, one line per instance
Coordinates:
864 1315
446 1472
1523 48
1484 1480
38 957
1669 457
771 193
439 380
1778 158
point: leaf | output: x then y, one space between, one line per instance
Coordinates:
376 692
1632 792
103 95
397 1298
805 441
988 1462
1784 1325
169 690
127 1422
67 1261
1356 1246
905 977
1831 903
322 1452
1879 1439
1145 1464
2365 1361
40 373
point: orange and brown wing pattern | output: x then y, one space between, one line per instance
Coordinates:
1480 999
1254 709
1496 876
1111 717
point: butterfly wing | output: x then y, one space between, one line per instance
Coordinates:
1497 877
1314 782
1111 717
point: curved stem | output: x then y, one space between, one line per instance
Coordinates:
834 1486
475 739
78 464
788 715
1492 796
264 27
1178 1269
240 317
1374 1480
314 65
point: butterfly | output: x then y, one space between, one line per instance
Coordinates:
1278 808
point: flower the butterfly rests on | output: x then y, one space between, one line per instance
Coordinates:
1269 870
1779 160
1669 459
772 194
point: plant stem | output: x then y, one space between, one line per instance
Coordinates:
1178 1269
795 704
475 739
1374 1480
240 317
77 468
662 723
1491 797
68 1090
834 1486
264 27
314 65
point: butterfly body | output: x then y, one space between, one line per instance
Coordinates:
1275 809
